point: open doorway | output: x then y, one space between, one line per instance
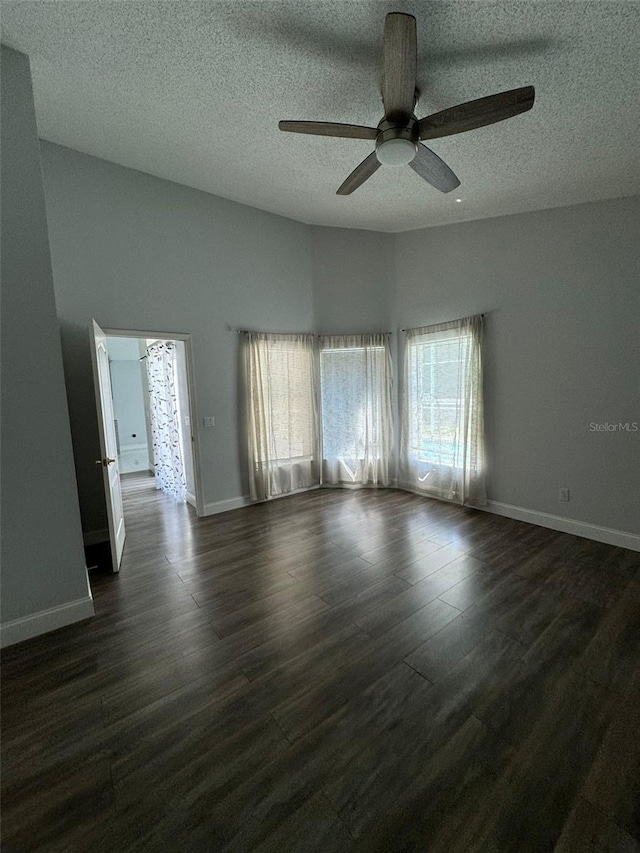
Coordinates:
131 408
148 421
152 413
152 384
173 417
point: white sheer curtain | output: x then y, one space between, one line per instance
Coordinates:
442 452
357 429
282 415
165 424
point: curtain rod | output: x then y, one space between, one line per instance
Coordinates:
262 332
355 335
437 324
310 334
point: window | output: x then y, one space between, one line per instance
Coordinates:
287 395
355 381
437 368
281 413
443 426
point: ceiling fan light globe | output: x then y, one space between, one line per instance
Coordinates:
396 152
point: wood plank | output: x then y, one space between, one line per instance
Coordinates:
614 780
429 564
533 798
589 829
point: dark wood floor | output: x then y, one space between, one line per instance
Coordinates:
334 671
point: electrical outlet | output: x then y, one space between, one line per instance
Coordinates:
563 494
209 422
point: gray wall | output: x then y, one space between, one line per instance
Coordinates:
352 273
42 556
560 288
138 252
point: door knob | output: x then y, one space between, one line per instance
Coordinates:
106 461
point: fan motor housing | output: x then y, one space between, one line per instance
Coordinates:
388 131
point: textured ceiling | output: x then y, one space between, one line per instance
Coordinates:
193 91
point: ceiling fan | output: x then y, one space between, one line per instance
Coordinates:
397 136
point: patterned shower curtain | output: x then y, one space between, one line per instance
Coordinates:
165 426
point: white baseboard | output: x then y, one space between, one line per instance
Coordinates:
44 621
95 537
226 506
191 499
134 448
245 500
565 525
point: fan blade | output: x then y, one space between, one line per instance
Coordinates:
477 113
329 128
360 174
434 170
399 65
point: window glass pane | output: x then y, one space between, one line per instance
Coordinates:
436 389
288 393
442 444
350 411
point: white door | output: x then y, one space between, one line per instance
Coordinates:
108 446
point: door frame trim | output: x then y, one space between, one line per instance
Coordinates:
191 390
